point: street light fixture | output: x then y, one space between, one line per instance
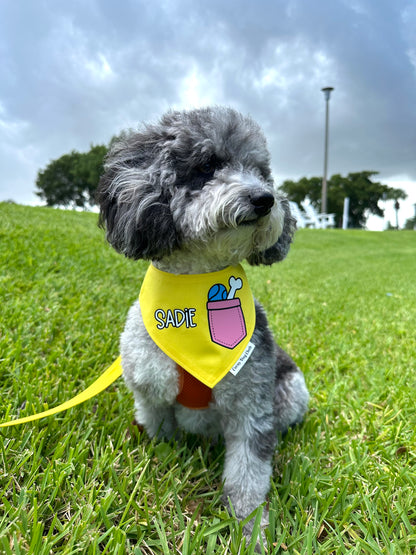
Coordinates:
327 92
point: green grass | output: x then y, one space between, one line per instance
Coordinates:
86 481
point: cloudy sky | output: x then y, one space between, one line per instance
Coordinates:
73 73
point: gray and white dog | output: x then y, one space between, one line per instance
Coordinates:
194 194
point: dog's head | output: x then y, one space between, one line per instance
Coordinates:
198 182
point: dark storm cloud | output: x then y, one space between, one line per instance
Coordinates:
73 73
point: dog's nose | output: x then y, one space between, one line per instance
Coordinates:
262 203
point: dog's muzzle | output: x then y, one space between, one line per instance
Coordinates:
262 203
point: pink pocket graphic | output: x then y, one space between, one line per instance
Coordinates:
226 322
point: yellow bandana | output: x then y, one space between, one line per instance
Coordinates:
204 322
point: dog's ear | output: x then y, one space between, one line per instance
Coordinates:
134 204
279 250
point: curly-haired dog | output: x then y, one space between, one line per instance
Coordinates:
194 194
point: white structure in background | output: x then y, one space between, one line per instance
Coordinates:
309 217
301 218
320 221
345 213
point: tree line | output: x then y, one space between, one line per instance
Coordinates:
72 179
361 188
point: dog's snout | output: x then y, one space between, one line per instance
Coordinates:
262 203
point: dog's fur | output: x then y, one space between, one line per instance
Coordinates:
194 194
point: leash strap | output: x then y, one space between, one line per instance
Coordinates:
101 383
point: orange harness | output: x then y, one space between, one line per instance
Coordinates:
193 394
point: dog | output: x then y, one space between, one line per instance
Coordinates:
194 195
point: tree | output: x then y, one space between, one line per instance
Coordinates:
72 179
90 170
410 223
363 192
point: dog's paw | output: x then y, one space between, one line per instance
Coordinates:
254 534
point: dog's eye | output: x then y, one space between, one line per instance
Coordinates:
208 168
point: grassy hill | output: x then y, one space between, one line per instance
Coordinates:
343 305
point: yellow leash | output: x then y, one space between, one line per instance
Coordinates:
106 379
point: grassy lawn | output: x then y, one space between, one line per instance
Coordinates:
343 305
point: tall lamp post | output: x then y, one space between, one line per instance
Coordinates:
327 92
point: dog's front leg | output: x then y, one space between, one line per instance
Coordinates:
158 421
151 376
248 467
153 398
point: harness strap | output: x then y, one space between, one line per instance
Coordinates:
101 383
193 393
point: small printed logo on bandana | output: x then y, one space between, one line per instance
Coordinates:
243 359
